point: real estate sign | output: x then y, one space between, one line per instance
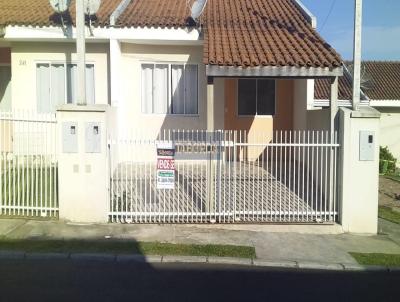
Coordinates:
166 166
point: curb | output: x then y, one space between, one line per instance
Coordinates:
154 259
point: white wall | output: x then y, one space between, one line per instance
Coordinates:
305 116
300 105
83 177
358 180
390 130
132 57
25 56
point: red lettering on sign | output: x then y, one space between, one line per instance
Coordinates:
165 164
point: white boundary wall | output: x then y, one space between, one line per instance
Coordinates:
83 185
358 180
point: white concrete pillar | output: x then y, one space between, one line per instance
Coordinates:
210 104
82 163
81 52
357 53
334 94
359 176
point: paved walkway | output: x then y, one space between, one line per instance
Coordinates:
314 244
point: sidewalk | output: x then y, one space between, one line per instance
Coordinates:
325 245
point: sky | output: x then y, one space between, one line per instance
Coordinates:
381 27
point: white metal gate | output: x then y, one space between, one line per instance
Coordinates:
227 177
28 165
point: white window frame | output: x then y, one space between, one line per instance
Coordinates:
65 77
255 115
169 105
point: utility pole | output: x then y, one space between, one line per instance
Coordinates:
81 51
357 54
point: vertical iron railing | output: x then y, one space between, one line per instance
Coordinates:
227 177
28 164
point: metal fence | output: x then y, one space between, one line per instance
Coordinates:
28 164
227 177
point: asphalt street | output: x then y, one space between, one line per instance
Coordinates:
72 280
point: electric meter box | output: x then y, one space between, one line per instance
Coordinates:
93 137
367 145
70 137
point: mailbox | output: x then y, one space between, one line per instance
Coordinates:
367 145
70 137
93 138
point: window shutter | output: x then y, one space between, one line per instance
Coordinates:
43 87
161 89
191 89
178 89
57 86
90 85
147 88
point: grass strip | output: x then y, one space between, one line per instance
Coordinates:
126 247
388 214
377 259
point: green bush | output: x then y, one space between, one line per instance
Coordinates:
387 162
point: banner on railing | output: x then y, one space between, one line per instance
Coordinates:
165 166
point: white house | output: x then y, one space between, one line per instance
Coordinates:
230 90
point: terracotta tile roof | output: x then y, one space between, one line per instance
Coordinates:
382 82
236 32
156 13
263 33
40 13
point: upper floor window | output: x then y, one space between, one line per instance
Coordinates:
256 97
170 88
56 84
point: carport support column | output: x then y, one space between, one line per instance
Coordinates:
82 163
333 128
210 204
359 169
333 103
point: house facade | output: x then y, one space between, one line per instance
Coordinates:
228 92
152 64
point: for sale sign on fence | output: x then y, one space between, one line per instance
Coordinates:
166 166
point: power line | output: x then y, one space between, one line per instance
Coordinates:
329 14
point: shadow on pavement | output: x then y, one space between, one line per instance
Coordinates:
79 280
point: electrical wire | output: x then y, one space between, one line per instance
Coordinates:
329 14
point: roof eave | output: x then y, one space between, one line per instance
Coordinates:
273 71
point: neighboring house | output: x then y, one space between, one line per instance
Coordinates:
149 60
380 89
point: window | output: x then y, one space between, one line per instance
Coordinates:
169 88
56 85
256 97
5 87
